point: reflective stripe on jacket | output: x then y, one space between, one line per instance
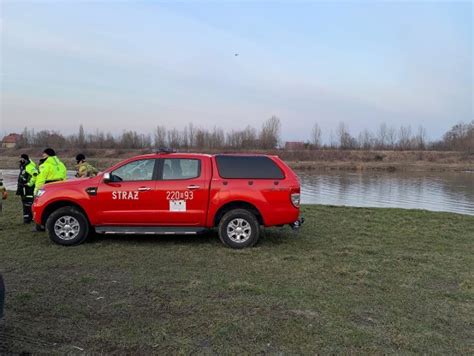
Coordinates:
32 171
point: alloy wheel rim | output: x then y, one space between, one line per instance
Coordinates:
239 230
67 227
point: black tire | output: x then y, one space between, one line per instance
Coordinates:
72 226
249 226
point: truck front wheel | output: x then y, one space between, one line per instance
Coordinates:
67 226
239 228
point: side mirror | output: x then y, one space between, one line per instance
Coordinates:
107 177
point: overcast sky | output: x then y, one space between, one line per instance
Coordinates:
132 65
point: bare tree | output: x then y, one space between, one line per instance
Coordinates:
250 137
174 138
129 139
332 139
460 137
216 138
32 137
420 138
191 135
404 137
160 136
366 140
81 137
246 138
382 136
391 137
201 137
316 136
185 137
232 139
346 141
47 138
100 138
109 141
270 133
145 141
23 142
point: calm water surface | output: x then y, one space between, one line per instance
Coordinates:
453 192
439 191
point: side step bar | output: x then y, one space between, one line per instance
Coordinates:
149 230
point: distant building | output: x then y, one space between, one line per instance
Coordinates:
11 141
294 145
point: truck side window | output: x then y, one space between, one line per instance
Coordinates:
135 171
248 167
181 168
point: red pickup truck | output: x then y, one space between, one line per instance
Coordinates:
174 193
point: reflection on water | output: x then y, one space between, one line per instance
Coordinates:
436 191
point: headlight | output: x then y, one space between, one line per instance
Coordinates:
40 192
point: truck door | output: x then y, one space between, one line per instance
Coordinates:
182 191
128 198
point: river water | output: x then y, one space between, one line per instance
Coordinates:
438 191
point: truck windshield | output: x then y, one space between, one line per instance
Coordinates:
135 171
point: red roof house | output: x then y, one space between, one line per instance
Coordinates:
11 141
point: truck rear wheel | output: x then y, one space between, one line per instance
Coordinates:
239 228
67 226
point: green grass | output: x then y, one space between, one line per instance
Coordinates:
352 281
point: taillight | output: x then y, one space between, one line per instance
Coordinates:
295 199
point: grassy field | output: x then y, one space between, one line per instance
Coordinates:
353 280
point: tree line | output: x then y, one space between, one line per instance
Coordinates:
459 138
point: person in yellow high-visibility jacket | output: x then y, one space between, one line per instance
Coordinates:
52 170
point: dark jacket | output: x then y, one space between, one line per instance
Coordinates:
26 179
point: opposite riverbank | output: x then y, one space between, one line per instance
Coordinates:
303 160
354 280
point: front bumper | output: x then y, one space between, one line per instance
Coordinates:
37 210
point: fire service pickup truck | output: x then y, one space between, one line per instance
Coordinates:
174 193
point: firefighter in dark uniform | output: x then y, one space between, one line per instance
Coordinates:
26 186
83 168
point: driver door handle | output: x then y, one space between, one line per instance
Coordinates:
193 186
143 189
